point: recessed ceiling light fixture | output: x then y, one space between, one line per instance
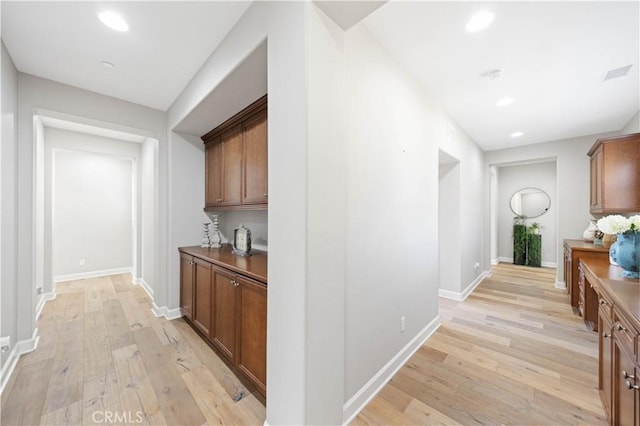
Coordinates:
504 102
107 65
516 134
479 21
113 21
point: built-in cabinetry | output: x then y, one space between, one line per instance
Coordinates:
224 297
618 342
236 161
615 175
581 297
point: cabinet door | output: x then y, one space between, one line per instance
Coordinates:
202 299
621 175
232 151
213 174
623 398
254 189
225 308
596 180
605 359
252 355
186 285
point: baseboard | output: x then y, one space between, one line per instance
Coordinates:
22 347
543 264
361 398
460 296
163 311
495 261
92 274
561 285
142 283
43 301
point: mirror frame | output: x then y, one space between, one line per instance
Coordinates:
529 217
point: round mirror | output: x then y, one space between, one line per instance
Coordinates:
530 202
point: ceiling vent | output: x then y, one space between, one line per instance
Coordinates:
618 72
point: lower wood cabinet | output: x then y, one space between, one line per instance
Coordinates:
230 312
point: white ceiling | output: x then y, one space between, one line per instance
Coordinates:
554 56
166 44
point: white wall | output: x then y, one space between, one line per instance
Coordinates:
516 177
92 213
148 202
394 132
633 126
573 180
449 219
8 206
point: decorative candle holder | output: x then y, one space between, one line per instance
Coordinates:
215 239
206 239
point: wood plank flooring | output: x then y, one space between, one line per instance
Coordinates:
104 358
512 353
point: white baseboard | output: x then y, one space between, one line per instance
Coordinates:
543 264
22 347
163 311
158 311
92 274
142 283
495 261
357 402
460 296
561 285
43 300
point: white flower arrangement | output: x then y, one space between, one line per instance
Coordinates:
617 224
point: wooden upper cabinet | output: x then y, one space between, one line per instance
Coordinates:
236 161
615 175
213 174
254 190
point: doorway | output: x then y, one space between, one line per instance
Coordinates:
449 224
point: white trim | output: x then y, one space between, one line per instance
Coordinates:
357 402
561 285
544 264
495 261
92 274
22 347
43 301
460 296
142 283
165 312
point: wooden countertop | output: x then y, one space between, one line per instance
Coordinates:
624 292
254 266
583 245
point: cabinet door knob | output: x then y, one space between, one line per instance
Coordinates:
630 386
236 284
605 335
264 195
620 327
603 302
626 375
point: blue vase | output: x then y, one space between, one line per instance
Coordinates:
626 253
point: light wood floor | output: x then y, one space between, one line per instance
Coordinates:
513 353
103 358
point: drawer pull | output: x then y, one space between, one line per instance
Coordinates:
626 375
603 302
605 335
620 327
630 386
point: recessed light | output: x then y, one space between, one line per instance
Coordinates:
479 21
113 21
516 134
504 102
108 65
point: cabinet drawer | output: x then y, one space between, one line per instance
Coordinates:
624 333
605 307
